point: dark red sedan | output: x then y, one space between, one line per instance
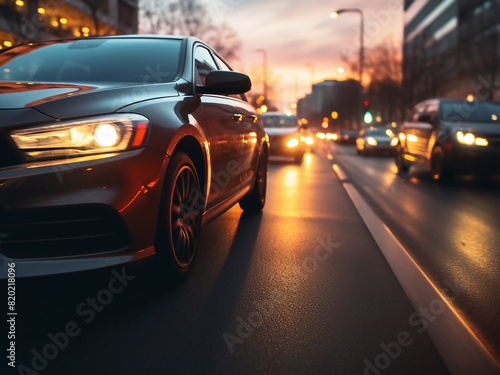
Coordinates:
114 149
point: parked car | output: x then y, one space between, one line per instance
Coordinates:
284 135
376 140
114 149
451 136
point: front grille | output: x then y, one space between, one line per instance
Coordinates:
61 231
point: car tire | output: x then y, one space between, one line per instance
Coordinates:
439 171
402 165
255 200
179 222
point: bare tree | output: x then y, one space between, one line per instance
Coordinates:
383 64
187 17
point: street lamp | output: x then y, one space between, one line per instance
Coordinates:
361 48
264 54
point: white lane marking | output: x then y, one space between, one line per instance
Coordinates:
461 350
340 173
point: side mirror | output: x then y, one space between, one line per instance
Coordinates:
225 83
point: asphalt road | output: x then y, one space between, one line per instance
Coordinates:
301 288
451 230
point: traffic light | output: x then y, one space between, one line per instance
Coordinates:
325 122
367 117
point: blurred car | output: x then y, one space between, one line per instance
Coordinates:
348 136
114 149
285 135
376 140
451 136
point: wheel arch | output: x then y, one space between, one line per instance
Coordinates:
190 146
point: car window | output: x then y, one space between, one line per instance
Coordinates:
204 63
223 66
376 131
279 121
93 60
416 112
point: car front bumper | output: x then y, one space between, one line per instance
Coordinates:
88 213
475 159
278 146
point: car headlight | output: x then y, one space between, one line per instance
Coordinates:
471 139
82 137
292 143
371 141
394 141
309 140
412 138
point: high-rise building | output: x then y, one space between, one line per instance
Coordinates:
451 48
24 21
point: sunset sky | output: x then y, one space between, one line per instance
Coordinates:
295 33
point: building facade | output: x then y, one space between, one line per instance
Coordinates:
23 21
451 49
339 101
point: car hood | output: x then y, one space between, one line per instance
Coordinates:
281 131
61 101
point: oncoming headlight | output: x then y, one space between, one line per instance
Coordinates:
82 137
471 139
292 143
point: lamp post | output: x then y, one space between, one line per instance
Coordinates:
362 27
264 54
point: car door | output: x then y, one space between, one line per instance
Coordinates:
221 128
248 129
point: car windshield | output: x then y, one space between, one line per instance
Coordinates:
470 111
121 60
377 131
280 121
